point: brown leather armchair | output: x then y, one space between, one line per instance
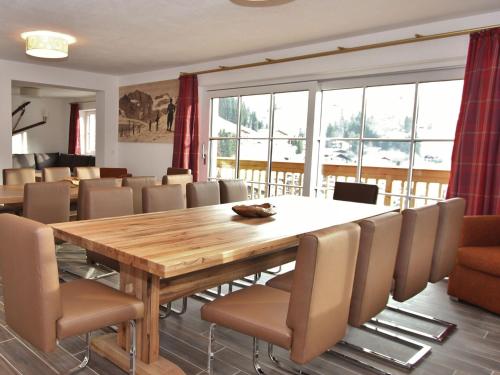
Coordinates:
476 276
38 308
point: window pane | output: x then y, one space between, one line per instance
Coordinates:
386 163
417 202
287 167
223 158
256 190
339 162
341 113
224 117
438 108
389 111
276 190
254 116
290 114
433 155
253 160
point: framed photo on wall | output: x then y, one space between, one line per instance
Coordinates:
147 112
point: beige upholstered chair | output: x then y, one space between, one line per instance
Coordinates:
101 202
137 184
38 308
451 219
378 250
199 194
233 191
312 317
413 268
18 176
355 192
55 174
47 202
180 179
416 247
86 184
174 171
162 198
86 173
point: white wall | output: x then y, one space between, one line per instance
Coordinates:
106 103
52 136
445 53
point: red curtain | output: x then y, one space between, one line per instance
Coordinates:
186 140
74 130
475 166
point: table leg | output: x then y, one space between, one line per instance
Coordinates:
145 287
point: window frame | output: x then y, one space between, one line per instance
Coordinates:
312 89
84 115
414 78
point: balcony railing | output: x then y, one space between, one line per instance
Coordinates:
287 178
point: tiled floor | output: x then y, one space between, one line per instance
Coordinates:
473 349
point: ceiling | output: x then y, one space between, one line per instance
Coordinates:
120 37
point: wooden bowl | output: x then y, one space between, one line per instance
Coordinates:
255 210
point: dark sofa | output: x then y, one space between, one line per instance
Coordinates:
51 159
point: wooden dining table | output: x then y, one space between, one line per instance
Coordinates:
14 194
167 255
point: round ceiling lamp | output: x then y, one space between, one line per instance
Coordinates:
47 44
260 3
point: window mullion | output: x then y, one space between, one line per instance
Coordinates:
412 149
361 137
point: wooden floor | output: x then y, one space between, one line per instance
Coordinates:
473 349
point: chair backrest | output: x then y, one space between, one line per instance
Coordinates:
321 290
233 191
86 184
378 249
101 202
174 171
137 183
162 198
86 173
18 176
200 194
47 202
451 219
416 245
53 174
114 172
30 280
179 179
354 192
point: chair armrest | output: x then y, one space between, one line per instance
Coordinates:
481 231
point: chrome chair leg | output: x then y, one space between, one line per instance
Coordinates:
86 359
132 352
166 311
422 350
281 366
440 337
255 357
211 356
270 272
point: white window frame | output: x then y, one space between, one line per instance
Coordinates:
315 88
312 87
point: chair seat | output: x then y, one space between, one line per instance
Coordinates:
282 282
258 311
485 259
88 305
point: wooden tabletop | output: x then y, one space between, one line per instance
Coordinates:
14 194
177 242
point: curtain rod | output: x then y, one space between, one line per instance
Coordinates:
342 50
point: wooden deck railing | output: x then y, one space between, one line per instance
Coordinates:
287 178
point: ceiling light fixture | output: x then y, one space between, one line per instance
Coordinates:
260 3
47 44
